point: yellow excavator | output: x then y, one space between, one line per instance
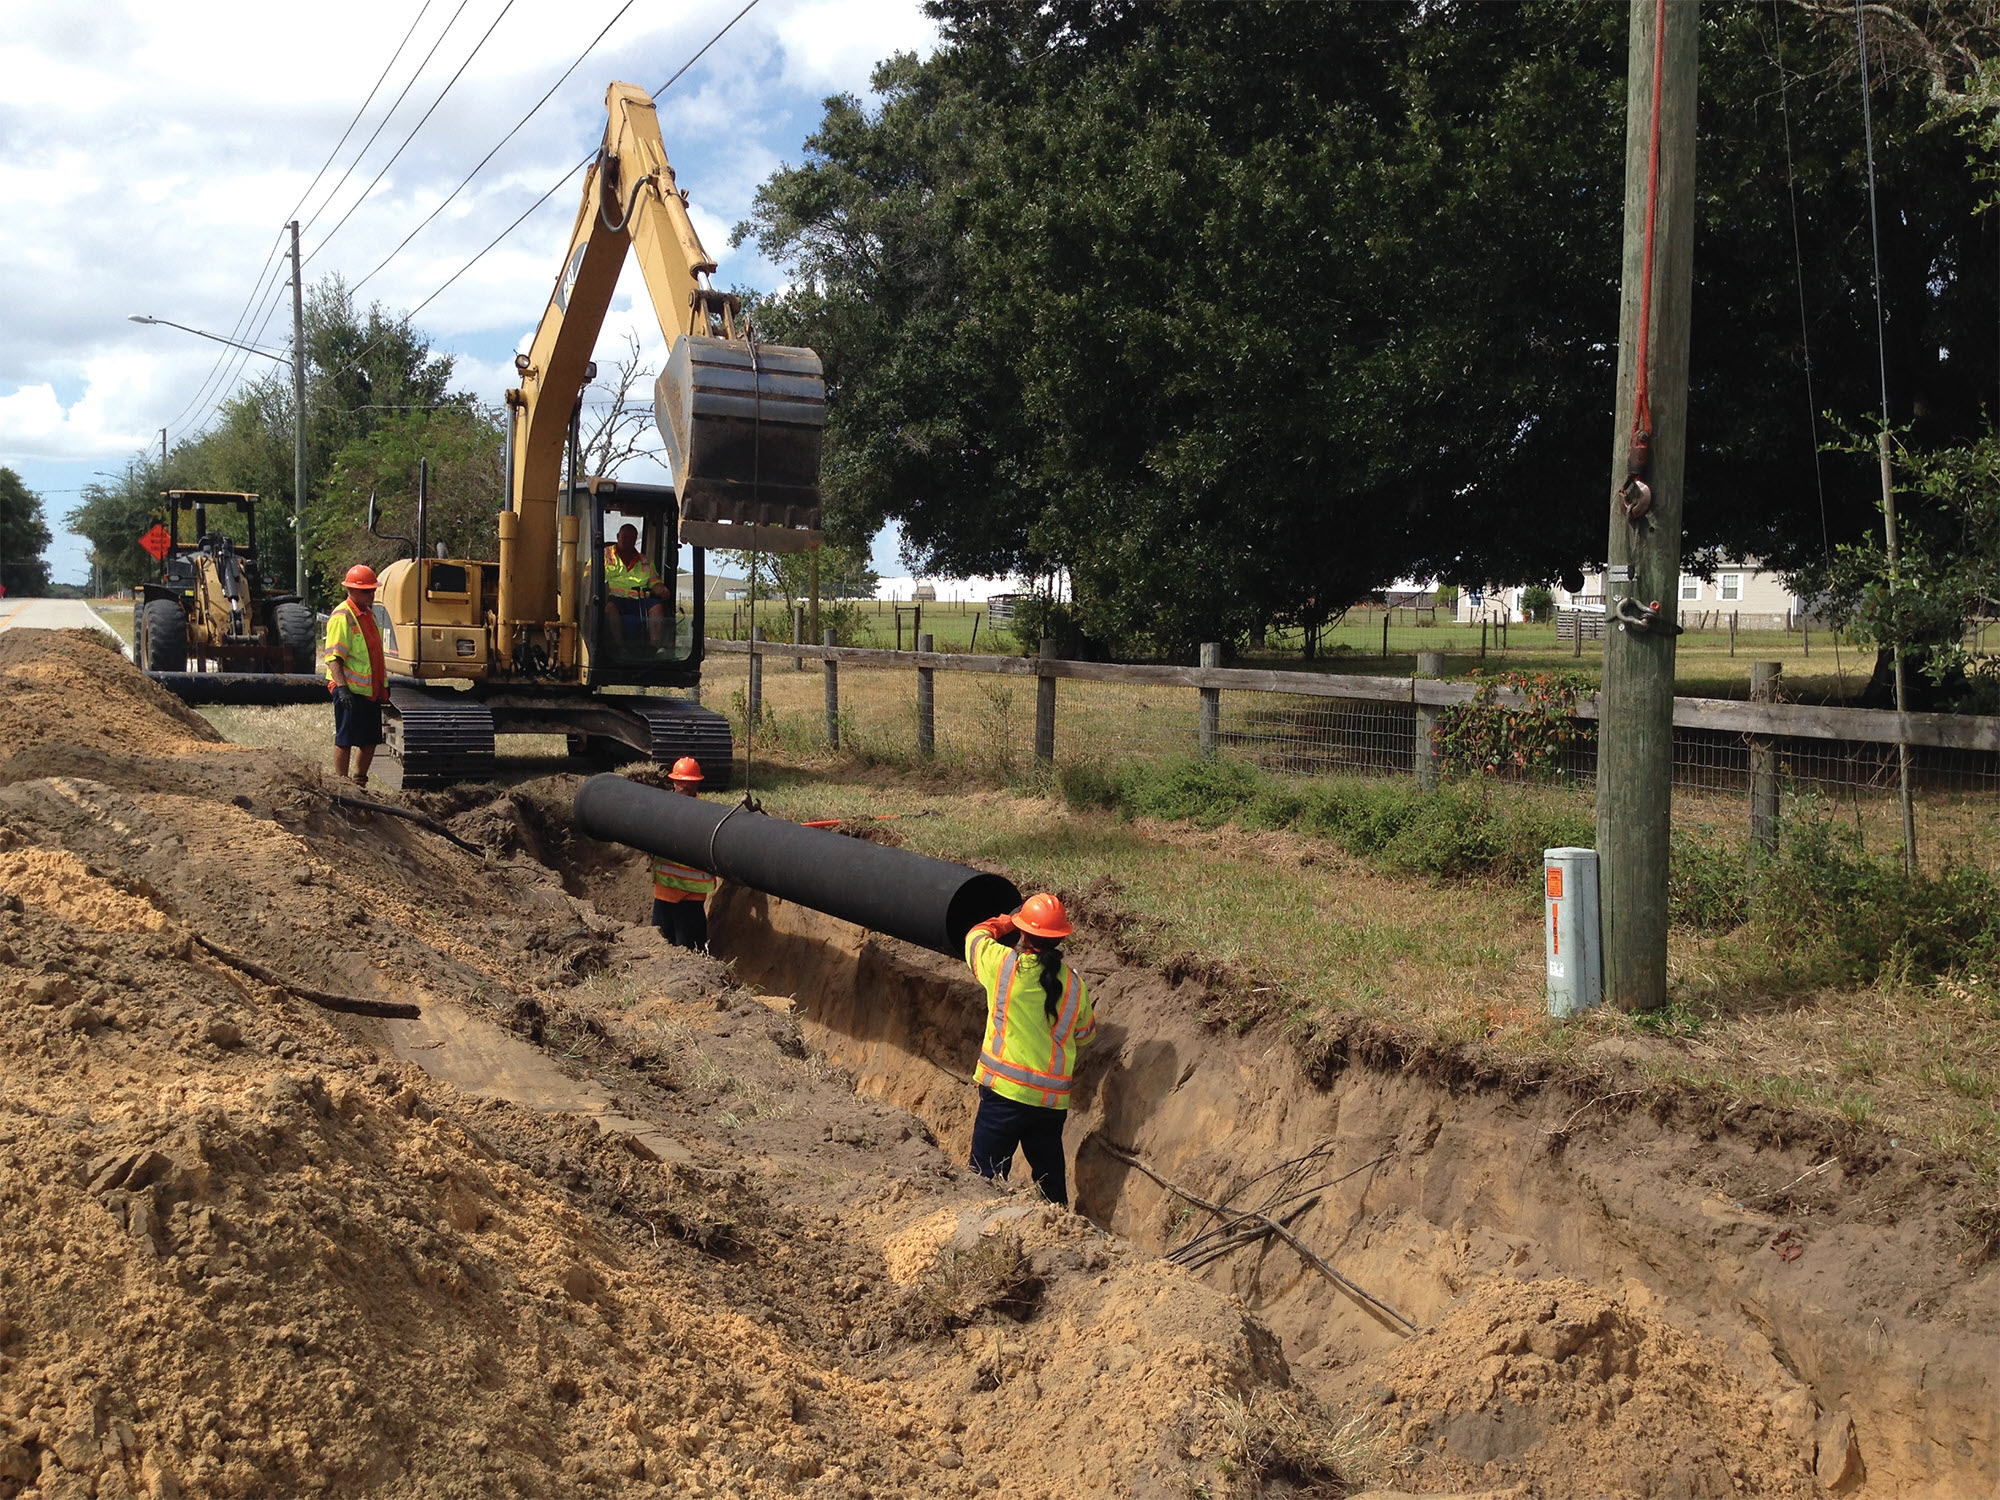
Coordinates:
566 631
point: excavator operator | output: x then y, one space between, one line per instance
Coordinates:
1038 1016
635 595
679 891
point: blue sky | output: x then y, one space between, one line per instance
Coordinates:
150 155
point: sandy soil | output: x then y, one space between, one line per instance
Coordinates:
599 1222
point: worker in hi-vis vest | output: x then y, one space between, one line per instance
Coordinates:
679 891
1038 1017
635 596
357 674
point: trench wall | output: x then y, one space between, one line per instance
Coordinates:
1443 1186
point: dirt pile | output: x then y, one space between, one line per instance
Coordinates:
599 1223
1559 1385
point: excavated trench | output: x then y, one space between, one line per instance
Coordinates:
1824 1278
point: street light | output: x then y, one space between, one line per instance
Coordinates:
298 432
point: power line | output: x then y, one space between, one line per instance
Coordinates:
414 129
557 184
257 284
502 141
382 124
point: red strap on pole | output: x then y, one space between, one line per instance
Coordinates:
1641 446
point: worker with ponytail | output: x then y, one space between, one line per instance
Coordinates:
1038 1017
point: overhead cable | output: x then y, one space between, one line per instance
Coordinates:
414 129
555 186
382 124
501 142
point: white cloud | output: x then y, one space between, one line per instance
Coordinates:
150 154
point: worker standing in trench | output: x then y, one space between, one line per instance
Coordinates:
681 891
1038 1017
356 674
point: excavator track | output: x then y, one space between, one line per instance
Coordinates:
680 726
440 738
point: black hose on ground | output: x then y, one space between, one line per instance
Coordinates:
929 902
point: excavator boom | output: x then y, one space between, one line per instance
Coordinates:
741 419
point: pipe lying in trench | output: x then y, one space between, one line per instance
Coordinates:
929 902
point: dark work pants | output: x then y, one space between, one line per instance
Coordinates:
682 923
1003 1124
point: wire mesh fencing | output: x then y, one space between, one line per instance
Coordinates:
983 722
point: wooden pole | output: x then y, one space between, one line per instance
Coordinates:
926 704
1429 664
1045 707
1385 632
1636 725
1764 677
1208 725
798 635
827 638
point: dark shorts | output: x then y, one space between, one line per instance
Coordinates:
682 923
632 612
356 721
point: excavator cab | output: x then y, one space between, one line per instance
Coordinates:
643 612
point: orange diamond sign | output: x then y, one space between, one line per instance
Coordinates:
157 541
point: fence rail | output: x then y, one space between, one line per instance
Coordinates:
982 712
1731 715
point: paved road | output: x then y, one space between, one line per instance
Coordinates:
52 614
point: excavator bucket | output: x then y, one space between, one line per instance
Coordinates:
742 424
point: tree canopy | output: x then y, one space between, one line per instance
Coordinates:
1239 312
24 537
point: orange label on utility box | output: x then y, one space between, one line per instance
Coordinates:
1555 874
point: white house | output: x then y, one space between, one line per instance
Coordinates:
1756 595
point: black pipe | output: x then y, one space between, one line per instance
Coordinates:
929 902
243 687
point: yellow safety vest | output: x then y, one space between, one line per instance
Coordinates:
675 882
1023 1056
347 643
622 582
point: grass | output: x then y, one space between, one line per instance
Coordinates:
117 613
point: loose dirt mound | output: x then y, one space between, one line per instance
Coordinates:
642 1246
72 686
1561 1385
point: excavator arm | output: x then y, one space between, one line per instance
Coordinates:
741 420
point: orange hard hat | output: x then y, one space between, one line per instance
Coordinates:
360 576
1043 916
687 768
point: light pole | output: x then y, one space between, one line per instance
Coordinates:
297 362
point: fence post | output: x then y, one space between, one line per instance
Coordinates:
1429 664
798 634
832 695
926 705
756 674
1045 706
1385 633
1805 632
1764 764
1732 630
1482 642
1208 727
1576 619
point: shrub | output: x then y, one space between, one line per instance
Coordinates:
1708 882
1839 908
1483 738
1537 603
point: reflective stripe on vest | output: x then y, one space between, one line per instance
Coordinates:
623 582
357 645
1012 1039
669 876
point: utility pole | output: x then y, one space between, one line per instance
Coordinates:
298 421
163 457
1649 457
